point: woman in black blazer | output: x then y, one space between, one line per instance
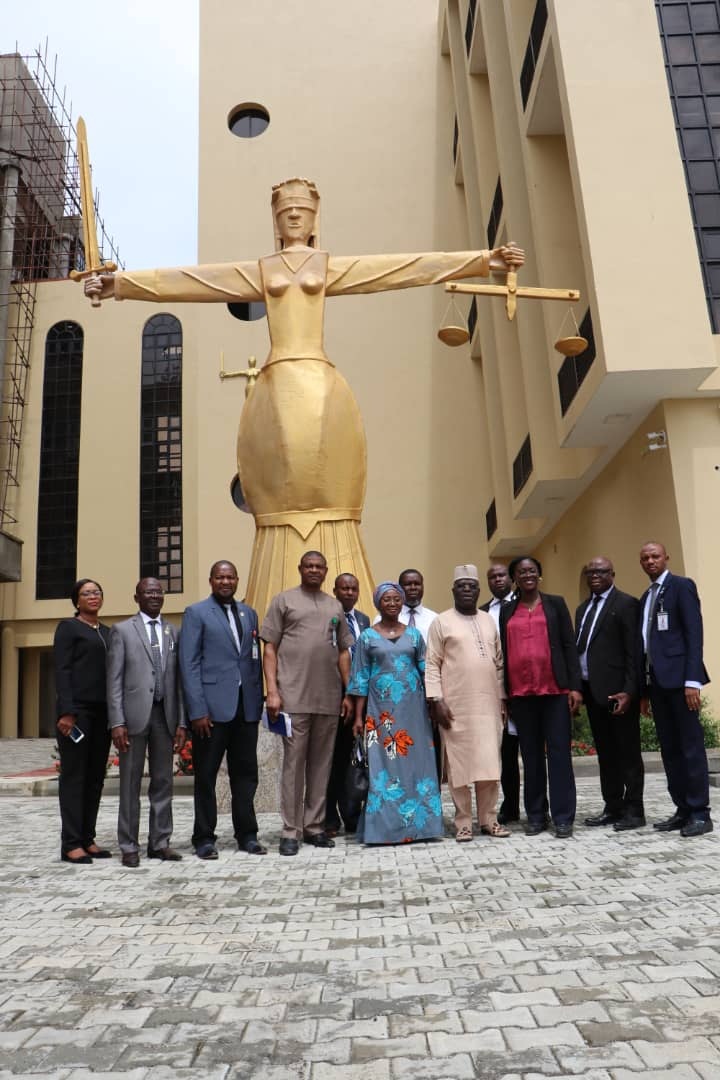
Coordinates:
542 680
79 652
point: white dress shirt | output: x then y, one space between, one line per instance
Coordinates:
423 618
591 613
159 629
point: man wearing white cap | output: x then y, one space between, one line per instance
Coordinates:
464 685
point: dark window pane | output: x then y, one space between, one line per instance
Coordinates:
697 144
680 50
690 112
708 48
704 17
710 243
713 275
675 19
161 452
702 176
712 104
491 520
707 210
56 559
686 80
711 78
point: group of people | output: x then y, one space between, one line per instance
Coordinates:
449 696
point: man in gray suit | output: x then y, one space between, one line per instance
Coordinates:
145 715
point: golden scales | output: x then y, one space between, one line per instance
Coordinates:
454 331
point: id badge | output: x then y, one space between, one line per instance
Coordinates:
255 651
662 620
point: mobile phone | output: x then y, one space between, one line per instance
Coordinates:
77 734
613 705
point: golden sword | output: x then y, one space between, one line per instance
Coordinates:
93 263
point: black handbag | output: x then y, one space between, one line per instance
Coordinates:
357 780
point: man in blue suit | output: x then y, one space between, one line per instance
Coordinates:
222 679
671 629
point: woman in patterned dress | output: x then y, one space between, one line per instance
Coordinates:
403 802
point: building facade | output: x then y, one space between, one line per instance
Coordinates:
585 130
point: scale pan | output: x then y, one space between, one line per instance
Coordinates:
571 346
453 335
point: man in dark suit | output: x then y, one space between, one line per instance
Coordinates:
222 679
145 714
347 590
606 636
671 641
500 586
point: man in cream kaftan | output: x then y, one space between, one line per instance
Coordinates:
464 683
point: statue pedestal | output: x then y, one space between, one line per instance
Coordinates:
267 797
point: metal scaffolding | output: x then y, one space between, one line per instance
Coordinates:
40 231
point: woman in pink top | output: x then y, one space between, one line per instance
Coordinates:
542 680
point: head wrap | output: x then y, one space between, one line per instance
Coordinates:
466 571
387 586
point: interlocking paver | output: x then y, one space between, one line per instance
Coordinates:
597 958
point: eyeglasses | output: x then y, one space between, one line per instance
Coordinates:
597 573
91 592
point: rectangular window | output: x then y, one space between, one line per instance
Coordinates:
491 520
574 368
537 30
522 467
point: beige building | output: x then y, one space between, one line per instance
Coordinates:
427 126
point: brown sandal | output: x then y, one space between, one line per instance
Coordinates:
464 834
496 830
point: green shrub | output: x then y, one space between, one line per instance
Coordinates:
582 734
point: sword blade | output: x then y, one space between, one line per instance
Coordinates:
92 252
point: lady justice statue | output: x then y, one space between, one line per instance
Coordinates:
308 491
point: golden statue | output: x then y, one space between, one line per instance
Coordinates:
301 444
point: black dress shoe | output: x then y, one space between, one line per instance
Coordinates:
318 839
670 824
167 854
130 858
289 846
79 860
534 828
252 847
564 830
696 827
100 853
629 822
601 819
206 851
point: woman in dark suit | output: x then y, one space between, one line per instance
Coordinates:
79 652
542 680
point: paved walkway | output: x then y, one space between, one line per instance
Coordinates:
525 958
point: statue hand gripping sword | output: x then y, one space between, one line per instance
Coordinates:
93 263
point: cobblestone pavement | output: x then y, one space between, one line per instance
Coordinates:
597 957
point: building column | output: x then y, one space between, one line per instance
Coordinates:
9 671
30 723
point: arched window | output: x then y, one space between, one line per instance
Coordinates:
161 547
56 560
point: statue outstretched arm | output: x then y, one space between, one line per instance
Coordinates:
376 273
223 282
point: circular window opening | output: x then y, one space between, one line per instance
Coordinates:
247 312
248 121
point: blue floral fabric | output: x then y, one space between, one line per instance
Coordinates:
403 802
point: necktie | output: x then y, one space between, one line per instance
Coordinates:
233 624
159 690
411 620
352 627
652 601
584 636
